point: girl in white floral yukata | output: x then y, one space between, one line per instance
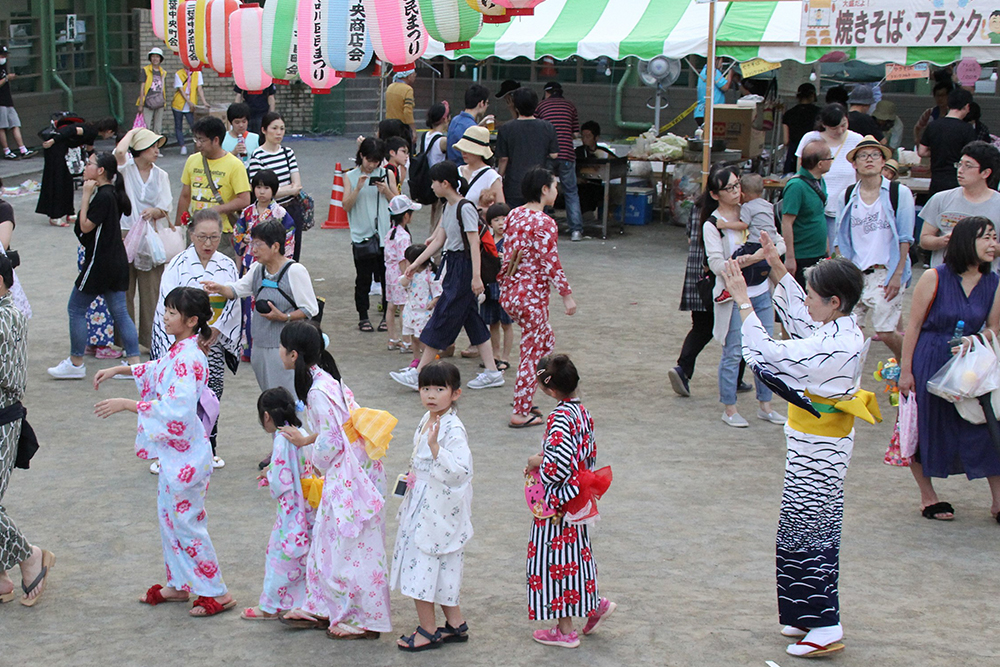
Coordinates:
435 519
170 429
347 590
288 548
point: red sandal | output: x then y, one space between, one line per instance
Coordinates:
154 597
211 606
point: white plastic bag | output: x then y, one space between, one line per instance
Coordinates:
970 409
908 440
967 375
150 252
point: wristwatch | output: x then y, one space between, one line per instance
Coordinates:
288 317
745 306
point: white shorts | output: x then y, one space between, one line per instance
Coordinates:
885 314
9 118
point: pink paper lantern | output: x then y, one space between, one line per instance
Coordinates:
314 63
217 35
187 48
158 9
397 33
244 45
519 7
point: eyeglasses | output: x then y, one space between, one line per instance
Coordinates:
203 239
870 157
731 188
258 244
967 165
826 159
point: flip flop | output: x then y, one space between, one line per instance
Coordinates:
346 634
258 614
931 511
306 623
211 606
818 649
154 597
48 562
533 420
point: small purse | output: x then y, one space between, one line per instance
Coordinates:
705 286
367 248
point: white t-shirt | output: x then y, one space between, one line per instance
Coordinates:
434 154
154 192
841 172
453 234
485 182
871 234
945 209
195 80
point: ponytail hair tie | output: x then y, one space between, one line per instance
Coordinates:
326 342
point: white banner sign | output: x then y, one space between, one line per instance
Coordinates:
850 23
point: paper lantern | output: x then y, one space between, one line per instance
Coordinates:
313 25
348 45
217 35
491 11
244 45
158 10
186 37
398 34
519 7
201 30
172 24
453 22
278 39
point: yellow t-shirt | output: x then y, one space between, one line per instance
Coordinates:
399 102
229 175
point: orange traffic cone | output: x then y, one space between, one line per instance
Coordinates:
337 217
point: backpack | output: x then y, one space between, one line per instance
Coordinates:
489 258
420 173
893 195
265 282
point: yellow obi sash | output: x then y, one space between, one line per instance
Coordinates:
375 426
836 416
312 489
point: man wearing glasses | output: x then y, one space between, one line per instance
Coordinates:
803 221
874 230
978 171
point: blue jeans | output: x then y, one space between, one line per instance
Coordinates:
831 234
732 351
79 302
566 171
179 117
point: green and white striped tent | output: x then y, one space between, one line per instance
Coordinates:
674 28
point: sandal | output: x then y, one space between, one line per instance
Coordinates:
502 365
533 420
393 344
366 326
58 222
449 634
210 606
48 562
347 632
405 348
382 326
7 597
258 614
434 641
154 597
932 512
306 623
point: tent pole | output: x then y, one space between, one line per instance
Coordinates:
706 154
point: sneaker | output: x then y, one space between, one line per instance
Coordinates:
679 381
125 377
154 467
407 378
605 608
486 379
771 416
735 420
9 156
576 236
375 289
217 462
27 152
184 150
552 637
743 387
67 370
724 297
107 352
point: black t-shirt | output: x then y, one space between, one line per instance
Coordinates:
105 264
800 119
257 103
526 144
5 97
6 212
946 137
864 125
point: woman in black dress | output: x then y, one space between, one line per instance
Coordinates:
55 199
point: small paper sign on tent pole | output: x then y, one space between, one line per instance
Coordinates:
757 66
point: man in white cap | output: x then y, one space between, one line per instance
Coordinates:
399 97
8 116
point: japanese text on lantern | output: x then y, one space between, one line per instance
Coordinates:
172 37
414 29
356 33
319 65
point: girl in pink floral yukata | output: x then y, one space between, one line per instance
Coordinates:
170 429
347 587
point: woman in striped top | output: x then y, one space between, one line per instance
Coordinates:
281 160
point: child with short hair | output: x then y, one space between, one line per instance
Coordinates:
435 518
758 214
561 569
495 317
264 185
422 293
399 155
238 140
288 548
401 210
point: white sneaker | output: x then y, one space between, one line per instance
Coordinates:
67 370
125 377
184 150
486 379
735 420
576 236
217 462
154 467
407 378
375 289
771 416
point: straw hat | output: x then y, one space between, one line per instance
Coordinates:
143 139
892 164
870 142
885 110
476 140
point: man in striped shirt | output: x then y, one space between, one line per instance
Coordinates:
562 114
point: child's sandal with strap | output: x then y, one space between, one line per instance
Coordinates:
449 634
434 641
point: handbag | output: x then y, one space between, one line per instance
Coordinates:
307 206
367 248
140 120
27 443
173 240
906 422
705 286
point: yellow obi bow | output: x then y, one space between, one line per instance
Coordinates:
375 426
312 489
836 416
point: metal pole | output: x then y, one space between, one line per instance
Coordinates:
706 152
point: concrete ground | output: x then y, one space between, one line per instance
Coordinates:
686 545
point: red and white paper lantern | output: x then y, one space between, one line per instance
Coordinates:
187 48
217 35
244 45
519 7
491 11
312 27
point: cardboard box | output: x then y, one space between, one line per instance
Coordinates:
741 127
